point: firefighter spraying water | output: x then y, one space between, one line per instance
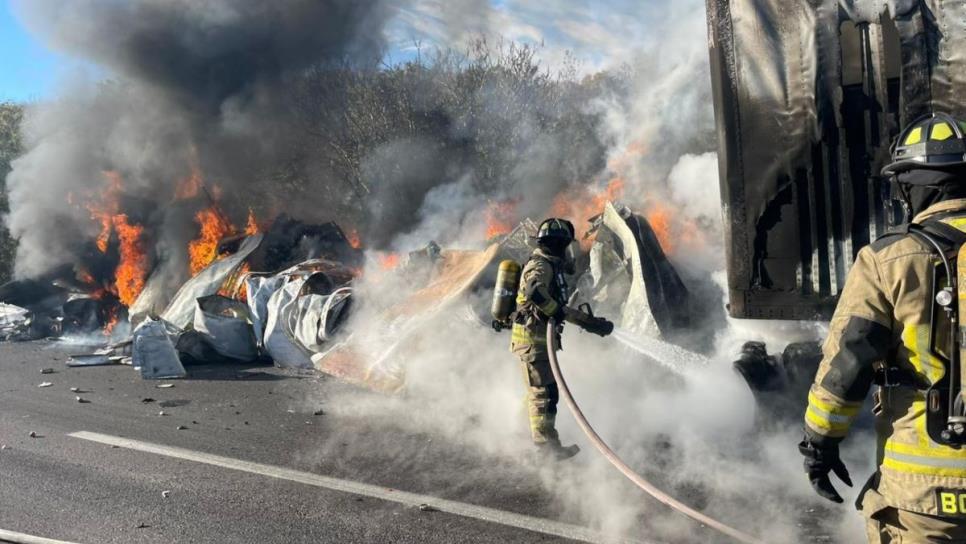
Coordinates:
541 293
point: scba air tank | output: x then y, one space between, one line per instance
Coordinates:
505 290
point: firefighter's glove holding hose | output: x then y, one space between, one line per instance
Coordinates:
820 460
585 319
599 326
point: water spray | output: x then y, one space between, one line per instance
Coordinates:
619 464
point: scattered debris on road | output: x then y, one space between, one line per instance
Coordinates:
32 434
164 385
81 400
165 494
46 371
45 384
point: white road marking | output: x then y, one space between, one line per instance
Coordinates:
20 538
511 519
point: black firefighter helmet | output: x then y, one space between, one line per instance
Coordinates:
555 232
936 141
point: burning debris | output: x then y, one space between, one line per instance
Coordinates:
283 292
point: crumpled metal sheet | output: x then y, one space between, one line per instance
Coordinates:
181 311
656 303
808 97
299 322
154 352
226 326
260 289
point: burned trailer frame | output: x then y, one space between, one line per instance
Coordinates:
808 97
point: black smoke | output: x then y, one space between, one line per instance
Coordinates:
177 85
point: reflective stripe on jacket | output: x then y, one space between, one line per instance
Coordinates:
883 317
537 301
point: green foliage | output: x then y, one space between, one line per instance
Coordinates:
11 116
493 112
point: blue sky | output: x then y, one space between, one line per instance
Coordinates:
29 70
599 32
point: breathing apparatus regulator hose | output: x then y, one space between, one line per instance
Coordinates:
620 465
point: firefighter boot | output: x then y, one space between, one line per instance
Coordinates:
557 451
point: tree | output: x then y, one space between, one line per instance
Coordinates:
11 146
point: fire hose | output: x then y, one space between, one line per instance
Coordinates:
620 465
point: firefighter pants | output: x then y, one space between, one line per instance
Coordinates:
542 395
889 525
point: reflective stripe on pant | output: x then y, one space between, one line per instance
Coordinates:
542 406
542 396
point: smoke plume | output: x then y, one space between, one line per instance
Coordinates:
186 86
267 99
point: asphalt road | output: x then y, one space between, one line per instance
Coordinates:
61 486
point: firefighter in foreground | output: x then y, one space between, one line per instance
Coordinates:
899 326
543 294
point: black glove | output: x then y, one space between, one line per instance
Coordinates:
599 325
819 461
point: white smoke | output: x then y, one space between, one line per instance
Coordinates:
695 433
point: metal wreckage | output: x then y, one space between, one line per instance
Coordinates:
286 295
807 96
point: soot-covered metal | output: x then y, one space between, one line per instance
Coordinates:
808 96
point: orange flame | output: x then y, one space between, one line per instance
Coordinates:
389 261
105 235
112 321
131 271
499 218
252 228
659 216
674 230
203 250
105 208
581 204
189 187
85 277
132 267
354 240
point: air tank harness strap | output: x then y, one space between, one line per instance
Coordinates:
889 377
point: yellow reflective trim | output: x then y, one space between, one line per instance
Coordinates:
958 222
916 340
914 137
550 308
941 131
848 409
824 426
520 335
940 452
915 468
